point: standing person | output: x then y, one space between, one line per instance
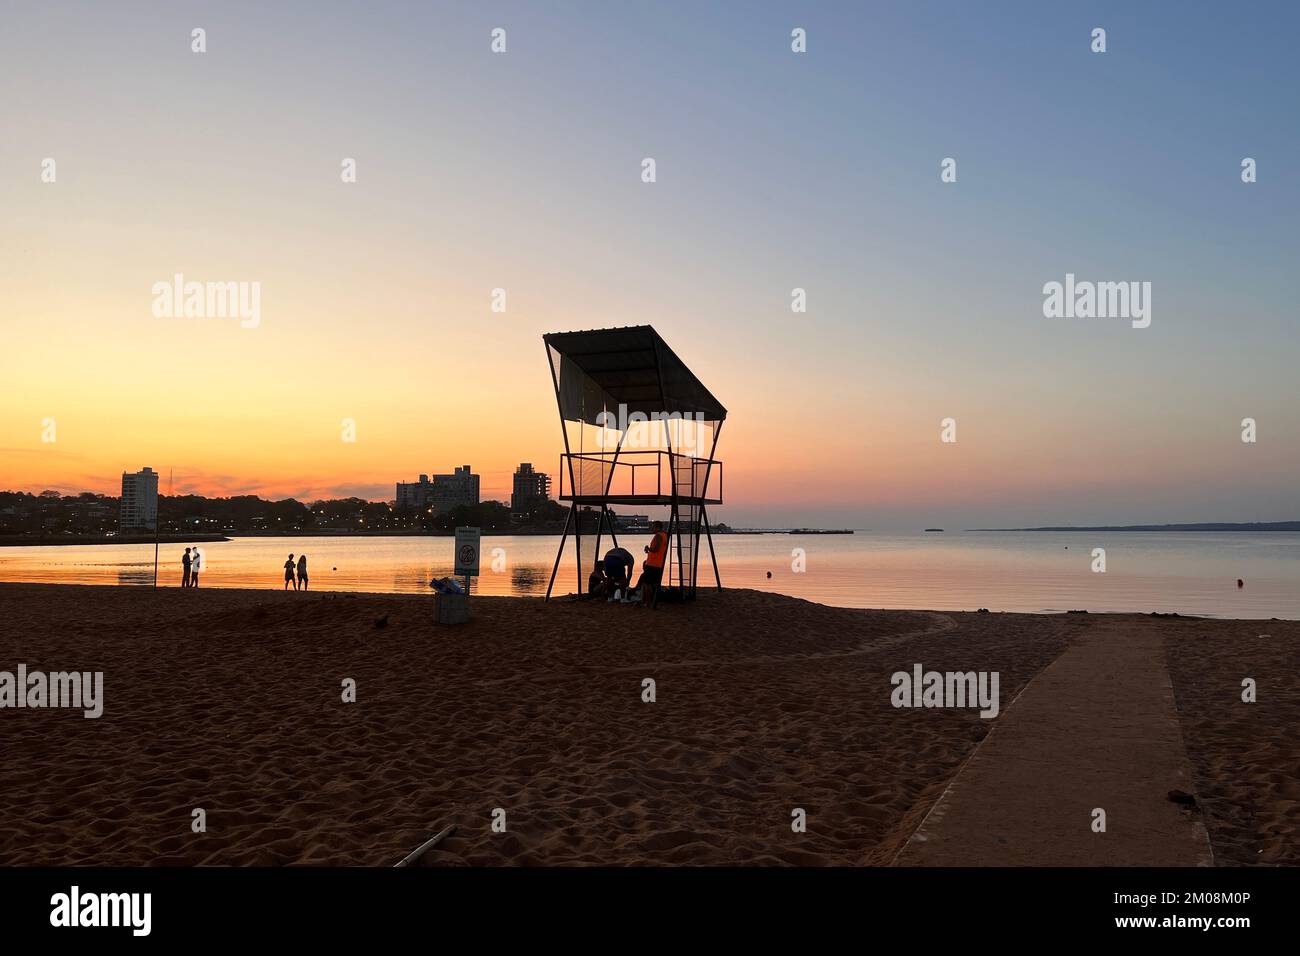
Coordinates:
302 571
288 574
196 565
652 571
185 569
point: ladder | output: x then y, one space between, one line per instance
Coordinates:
682 554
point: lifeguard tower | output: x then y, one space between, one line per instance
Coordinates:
639 430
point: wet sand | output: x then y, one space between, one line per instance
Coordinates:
230 701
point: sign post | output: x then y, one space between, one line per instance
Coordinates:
467 549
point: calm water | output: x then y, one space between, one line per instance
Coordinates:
1042 571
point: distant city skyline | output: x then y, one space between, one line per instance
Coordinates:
521 173
443 493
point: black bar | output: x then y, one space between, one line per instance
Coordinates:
966 909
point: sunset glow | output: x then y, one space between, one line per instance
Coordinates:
923 300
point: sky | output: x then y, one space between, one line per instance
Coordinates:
775 170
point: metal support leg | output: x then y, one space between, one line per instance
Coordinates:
708 533
560 553
577 541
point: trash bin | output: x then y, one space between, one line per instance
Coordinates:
451 608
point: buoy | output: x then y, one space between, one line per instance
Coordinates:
1240 583
769 575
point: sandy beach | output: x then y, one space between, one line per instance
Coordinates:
230 701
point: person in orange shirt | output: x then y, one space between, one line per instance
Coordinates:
652 571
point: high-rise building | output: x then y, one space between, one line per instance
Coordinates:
531 488
442 493
139 501
414 494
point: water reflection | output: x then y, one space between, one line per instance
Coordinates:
134 573
411 581
526 580
1184 572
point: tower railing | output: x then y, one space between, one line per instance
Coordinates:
650 476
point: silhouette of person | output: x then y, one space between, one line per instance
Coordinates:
597 583
652 571
288 574
196 565
185 569
302 571
619 565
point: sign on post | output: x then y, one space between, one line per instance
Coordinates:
467 551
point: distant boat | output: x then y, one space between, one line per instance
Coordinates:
933 529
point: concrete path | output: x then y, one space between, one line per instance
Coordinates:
1097 728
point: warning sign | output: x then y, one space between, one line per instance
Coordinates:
466 551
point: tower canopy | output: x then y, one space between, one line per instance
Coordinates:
600 369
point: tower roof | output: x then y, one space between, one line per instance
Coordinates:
599 369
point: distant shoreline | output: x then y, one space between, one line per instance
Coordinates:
78 540
1203 526
33 541
72 540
